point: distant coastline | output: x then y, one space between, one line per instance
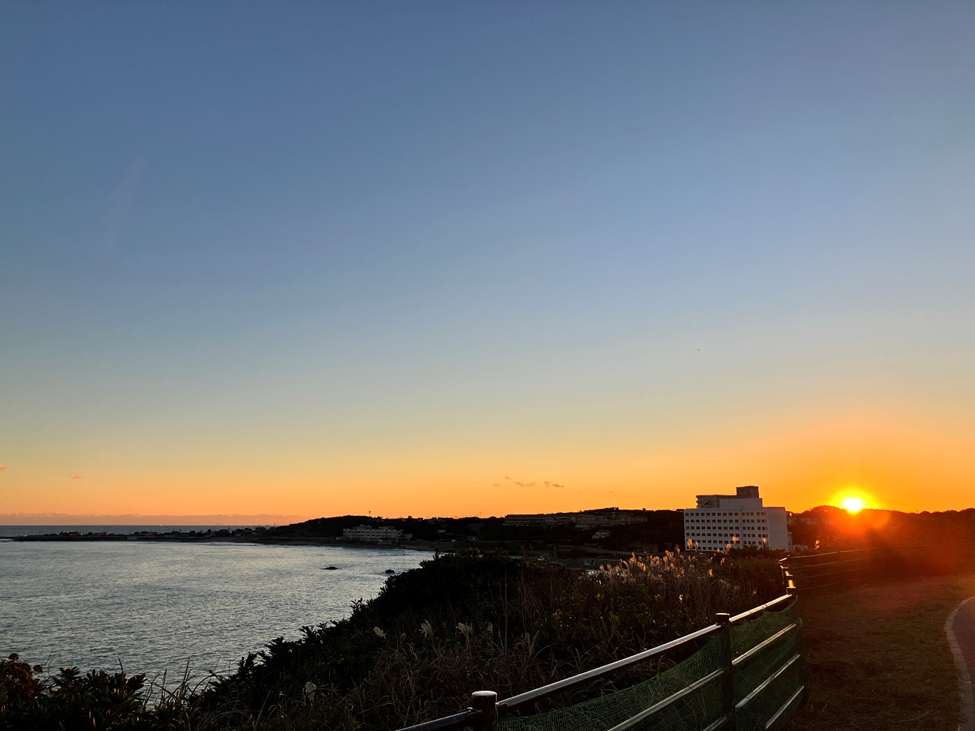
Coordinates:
601 534
18 529
193 534
258 535
162 533
125 520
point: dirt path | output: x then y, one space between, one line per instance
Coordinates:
960 631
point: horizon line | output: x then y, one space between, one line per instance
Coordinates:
241 519
147 519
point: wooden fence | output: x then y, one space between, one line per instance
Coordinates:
765 699
836 569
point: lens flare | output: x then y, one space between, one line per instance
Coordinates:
853 505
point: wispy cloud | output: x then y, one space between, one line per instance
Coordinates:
76 476
547 483
2 468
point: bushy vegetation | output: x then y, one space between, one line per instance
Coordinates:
75 702
460 623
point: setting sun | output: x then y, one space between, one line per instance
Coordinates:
853 499
853 505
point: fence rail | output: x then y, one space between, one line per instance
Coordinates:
600 672
847 568
730 695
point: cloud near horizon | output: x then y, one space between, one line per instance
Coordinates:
547 483
76 476
2 468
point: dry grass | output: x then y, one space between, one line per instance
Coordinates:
468 622
878 658
569 622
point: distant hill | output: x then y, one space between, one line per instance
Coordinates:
836 529
655 530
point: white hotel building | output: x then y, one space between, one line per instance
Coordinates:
739 520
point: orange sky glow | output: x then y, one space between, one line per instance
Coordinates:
883 461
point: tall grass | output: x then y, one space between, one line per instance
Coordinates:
470 622
461 623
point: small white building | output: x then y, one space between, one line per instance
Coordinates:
739 520
367 534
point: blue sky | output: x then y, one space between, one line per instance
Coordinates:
331 235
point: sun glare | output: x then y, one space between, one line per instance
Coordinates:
853 505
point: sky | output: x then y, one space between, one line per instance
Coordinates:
434 258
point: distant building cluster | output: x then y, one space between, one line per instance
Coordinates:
603 517
739 521
379 536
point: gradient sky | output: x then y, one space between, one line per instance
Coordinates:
310 259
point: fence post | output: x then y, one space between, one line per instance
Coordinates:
485 701
788 580
728 684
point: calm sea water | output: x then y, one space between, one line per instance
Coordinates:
8 531
151 607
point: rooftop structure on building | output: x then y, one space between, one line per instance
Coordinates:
737 521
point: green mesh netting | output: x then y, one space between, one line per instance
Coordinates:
772 665
781 663
694 712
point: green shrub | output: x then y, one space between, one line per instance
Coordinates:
70 701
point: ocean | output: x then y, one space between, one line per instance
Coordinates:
154 607
9 531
